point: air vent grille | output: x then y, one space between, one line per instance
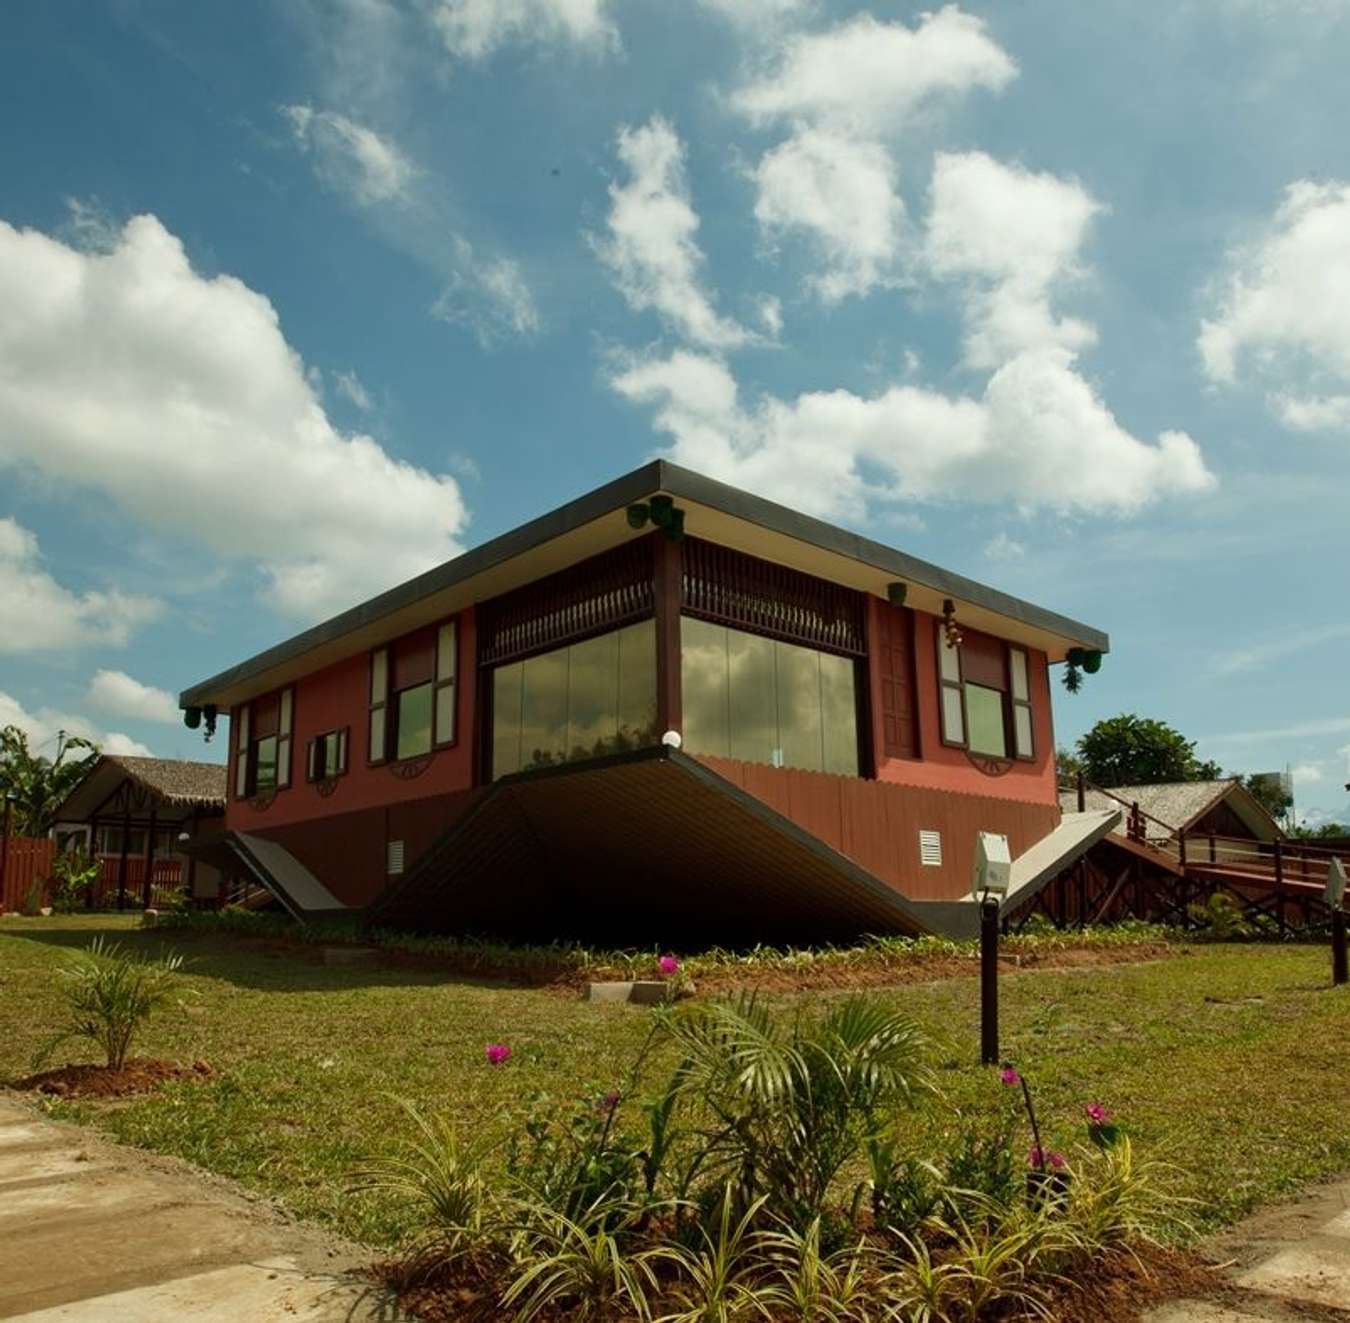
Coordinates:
930 849
394 858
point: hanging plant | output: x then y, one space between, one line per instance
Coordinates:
1076 662
949 626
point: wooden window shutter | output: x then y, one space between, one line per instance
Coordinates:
284 738
241 751
378 746
1019 690
895 662
952 700
447 670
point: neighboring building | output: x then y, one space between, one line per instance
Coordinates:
129 813
481 749
1224 808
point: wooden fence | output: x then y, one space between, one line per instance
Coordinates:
27 861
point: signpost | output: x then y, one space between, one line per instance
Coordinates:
992 875
1335 898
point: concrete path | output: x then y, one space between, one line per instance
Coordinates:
94 1233
1286 1264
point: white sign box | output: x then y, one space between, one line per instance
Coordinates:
992 873
1335 893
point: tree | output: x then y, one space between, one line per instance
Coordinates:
1268 791
1132 750
1324 831
40 785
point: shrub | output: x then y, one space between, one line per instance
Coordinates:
111 995
73 873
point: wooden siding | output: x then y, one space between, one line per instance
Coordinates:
27 860
877 823
892 639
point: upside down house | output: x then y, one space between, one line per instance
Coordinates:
667 711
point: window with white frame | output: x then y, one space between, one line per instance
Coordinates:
985 697
326 755
263 744
413 686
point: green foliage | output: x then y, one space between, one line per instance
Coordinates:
443 1180
791 1103
109 996
40 784
1324 831
1220 918
1116 1201
1268 790
73 872
806 1285
1134 750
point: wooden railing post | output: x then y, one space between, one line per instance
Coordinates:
1181 847
1213 857
1082 792
1279 866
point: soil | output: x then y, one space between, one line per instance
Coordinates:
138 1075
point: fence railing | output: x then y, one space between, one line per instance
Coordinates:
27 861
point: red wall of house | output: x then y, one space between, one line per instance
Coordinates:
941 767
336 697
877 823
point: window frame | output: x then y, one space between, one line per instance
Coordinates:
246 744
445 680
313 772
382 705
377 700
958 685
1014 703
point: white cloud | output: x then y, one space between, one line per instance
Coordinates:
1284 309
351 388
1322 726
758 14
1038 438
1003 548
120 695
490 296
352 157
472 29
846 92
37 614
177 397
869 76
43 727
1306 773
1286 643
650 247
486 293
841 192
1012 236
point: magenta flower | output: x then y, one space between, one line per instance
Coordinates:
1097 1114
1038 1158
1010 1077
497 1053
668 965
609 1102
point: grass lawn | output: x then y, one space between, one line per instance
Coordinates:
1229 1061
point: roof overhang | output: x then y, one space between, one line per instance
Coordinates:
596 522
646 847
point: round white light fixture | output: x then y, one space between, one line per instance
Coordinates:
671 739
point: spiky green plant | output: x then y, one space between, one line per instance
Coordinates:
579 1265
110 994
1116 1201
443 1178
715 1280
807 1285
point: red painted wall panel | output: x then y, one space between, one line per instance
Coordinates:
336 697
877 823
942 767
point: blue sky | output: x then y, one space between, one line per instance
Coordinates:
299 298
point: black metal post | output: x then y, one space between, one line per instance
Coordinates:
989 982
1340 963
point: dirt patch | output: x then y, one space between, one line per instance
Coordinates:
139 1075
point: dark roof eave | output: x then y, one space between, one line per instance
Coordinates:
658 475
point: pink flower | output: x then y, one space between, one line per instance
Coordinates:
1010 1077
668 965
1097 1114
609 1102
497 1053
1037 1158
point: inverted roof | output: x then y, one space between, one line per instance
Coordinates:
171 781
716 502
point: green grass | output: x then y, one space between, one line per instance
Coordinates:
1228 1061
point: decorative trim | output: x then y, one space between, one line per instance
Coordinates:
261 803
990 766
410 768
326 785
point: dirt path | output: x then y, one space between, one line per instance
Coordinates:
91 1232
1286 1264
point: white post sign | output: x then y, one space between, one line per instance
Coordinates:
1335 893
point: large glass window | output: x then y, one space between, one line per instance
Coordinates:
765 701
583 701
984 713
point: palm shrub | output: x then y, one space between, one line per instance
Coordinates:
788 1105
110 995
